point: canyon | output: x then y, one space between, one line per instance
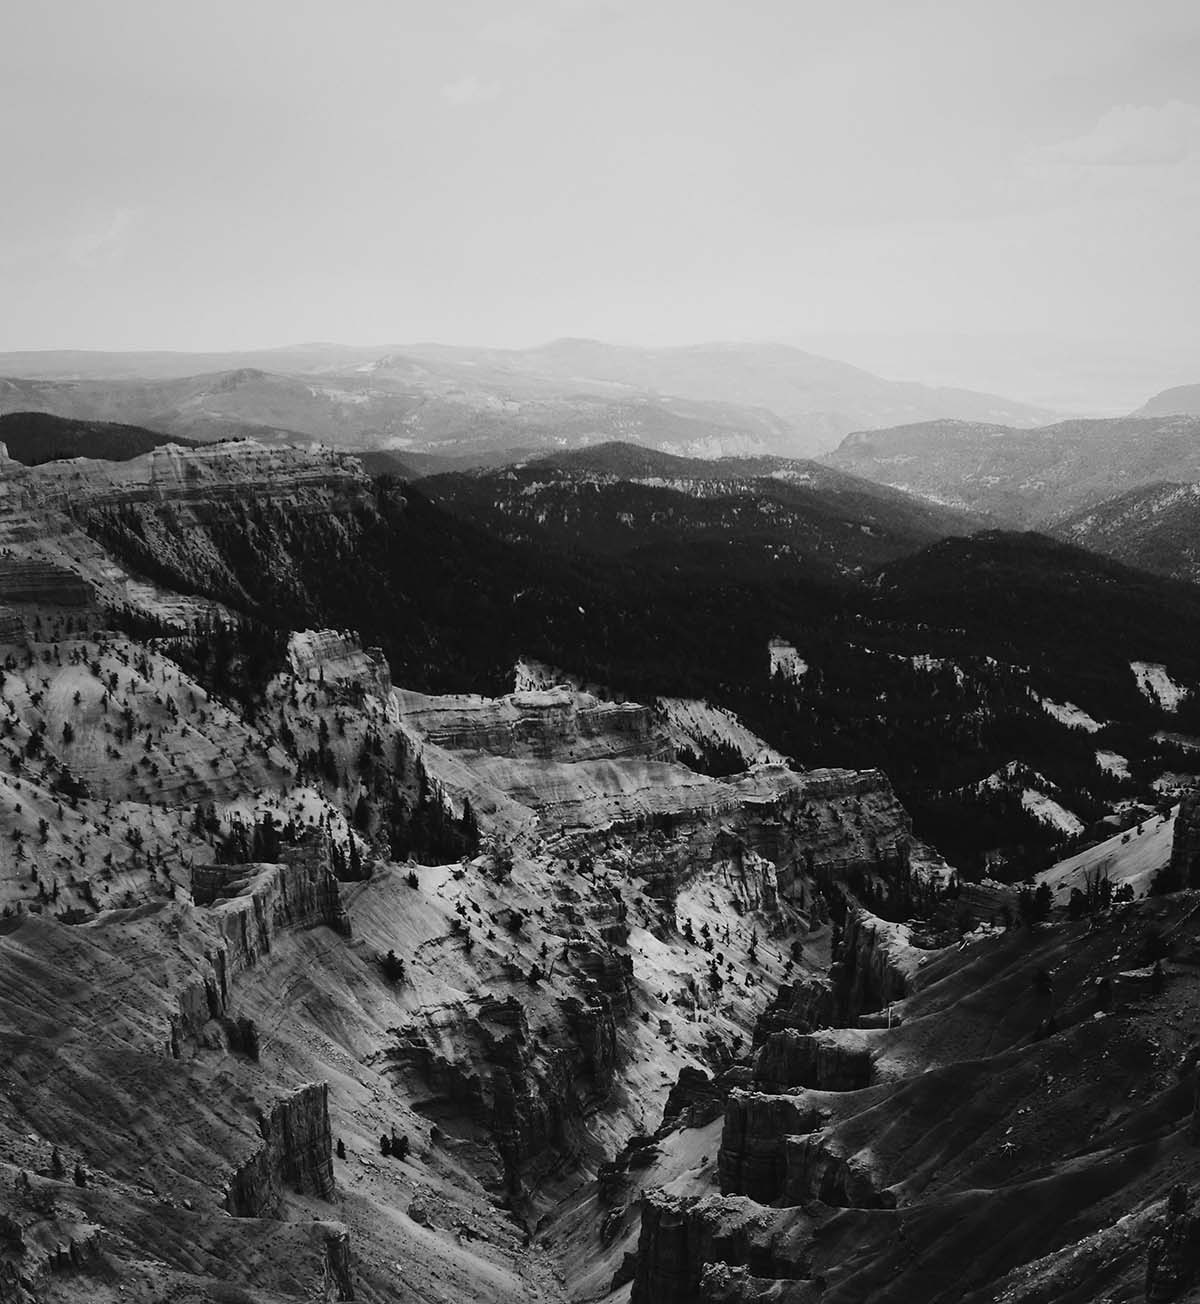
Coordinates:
316 984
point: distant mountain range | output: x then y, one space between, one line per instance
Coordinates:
965 459
1027 477
707 400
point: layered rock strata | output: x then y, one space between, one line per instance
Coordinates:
296 1154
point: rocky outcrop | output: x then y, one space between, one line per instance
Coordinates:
1185 847
875 965
816 1168
336 660
41 1240
750 879
988 902
197 478
721 1284
832 1060
1173 1253
682 1235
762 838
24 580
752 1160
296 1154
783 660
550 722
251 903
592 774
695 1099
338 1283
12 626
804 1005
519 1091
202 1001
594 1027
169 516
610 971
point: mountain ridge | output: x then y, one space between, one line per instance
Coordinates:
1179 399
702 398
1027 477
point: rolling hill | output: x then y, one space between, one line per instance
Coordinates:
1155 526
623 499
1180 399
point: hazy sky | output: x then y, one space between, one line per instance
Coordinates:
213 175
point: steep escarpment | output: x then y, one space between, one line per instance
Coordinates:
1184 865
752 1159
556 722
29 581
1039 1082
186 517
296 1154
682 1234
160 1145
874 964
139 533
252 903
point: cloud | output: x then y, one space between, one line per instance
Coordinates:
1132 135
469 90
103 240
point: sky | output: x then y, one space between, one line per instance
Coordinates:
1003 195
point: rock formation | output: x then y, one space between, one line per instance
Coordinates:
1173 1252
1185 847
23 580
54 518
804 1005
252 903
876 965
296 1154
753 1160
682 1234
831 1060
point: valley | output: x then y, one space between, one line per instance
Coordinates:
599 653
610 876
